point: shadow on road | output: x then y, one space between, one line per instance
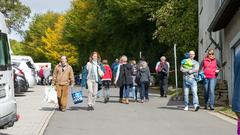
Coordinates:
110 101
76 108
29 91
47 109
4 134
171 107
173 104
20 95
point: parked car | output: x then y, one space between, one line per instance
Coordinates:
8 105
30 64
26 67
20 82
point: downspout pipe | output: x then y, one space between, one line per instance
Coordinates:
214 42
217 46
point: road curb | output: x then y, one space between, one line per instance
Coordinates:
223 117
46 121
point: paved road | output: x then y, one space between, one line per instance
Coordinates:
159 116
34 113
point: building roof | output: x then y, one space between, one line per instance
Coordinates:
224 15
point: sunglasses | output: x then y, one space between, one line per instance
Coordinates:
211 54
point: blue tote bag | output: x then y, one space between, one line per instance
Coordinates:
77 96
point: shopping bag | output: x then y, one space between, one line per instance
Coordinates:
77 96
46 91
51 95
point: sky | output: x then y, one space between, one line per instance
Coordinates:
40 7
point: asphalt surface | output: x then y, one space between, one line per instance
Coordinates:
158 116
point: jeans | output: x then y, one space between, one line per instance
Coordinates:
163 82
144 90
133 92
135 88
187 84
124 91
106 87
209 91
127 88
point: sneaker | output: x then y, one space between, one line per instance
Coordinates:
126 101
120 100
59 108
211 108
196 108
89 108
186 108
105 100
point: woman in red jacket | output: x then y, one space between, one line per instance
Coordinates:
210 68
106 79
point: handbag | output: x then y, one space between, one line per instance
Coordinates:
50 95
200 77
77 96
138 78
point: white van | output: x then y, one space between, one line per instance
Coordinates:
8 106
26 64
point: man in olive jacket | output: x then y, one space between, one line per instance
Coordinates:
63 77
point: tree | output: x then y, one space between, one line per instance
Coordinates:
15 12
177 22
37 29
111 27
54 45
17 47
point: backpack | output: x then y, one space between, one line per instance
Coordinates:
84 76
115 68
138 78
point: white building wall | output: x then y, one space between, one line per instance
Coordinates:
231 33
207 11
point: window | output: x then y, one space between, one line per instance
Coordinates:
17 64
30 65
5 60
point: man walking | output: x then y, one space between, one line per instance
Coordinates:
189 82
162 69
63 77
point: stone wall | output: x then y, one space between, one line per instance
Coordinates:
221 93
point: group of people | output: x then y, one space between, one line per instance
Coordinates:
44 74
130 76
191 69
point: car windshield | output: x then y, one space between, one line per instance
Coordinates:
17 64
30 65
5 60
